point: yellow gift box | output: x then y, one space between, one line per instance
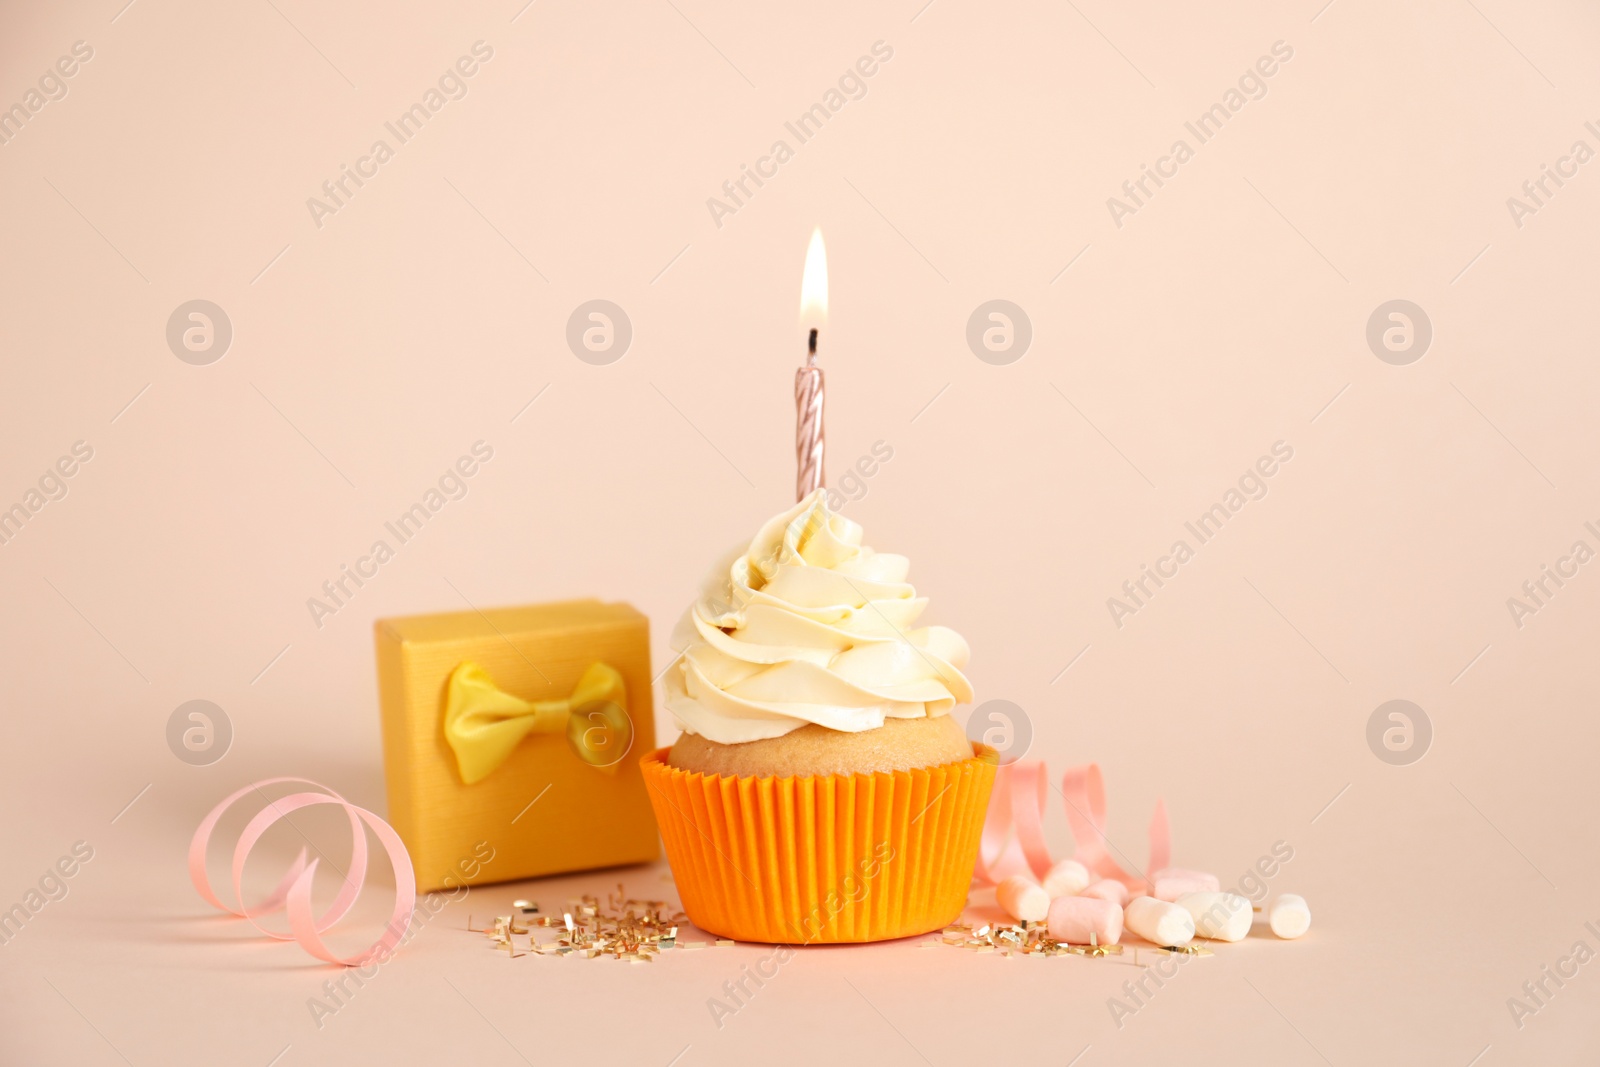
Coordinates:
511 740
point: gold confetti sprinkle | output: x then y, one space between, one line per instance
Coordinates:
1097 950
1187 950
623 928
1017 939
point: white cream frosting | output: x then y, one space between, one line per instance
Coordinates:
807 625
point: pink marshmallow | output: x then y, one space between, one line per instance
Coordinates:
1107 889
1170 883
1083 920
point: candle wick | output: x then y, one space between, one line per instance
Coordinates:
811 348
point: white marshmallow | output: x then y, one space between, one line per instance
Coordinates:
1067 879
1289 916
1023 899
1159 922
1218 916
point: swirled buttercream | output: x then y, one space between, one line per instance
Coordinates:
807 625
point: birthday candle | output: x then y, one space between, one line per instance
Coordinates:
809 436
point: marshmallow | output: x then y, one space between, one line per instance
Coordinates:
1022 898
1085 921
1159 922
1170 883
1067 878
1289 916
1218 916
1107 889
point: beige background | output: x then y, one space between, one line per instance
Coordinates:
1227 314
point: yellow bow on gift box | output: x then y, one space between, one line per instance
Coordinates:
483 724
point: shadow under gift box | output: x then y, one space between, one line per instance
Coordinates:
544 810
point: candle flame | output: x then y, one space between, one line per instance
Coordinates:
814 285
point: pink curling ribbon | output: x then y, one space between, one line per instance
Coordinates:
1013 833
293 892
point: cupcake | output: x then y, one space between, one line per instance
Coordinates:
821 790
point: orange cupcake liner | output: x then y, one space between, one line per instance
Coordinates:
822 859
